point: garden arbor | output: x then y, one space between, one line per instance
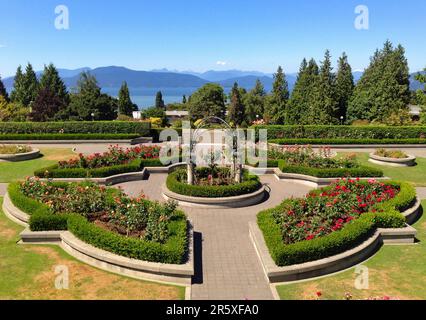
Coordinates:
230 144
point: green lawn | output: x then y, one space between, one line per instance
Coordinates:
415 175
27 272
397 271
12 171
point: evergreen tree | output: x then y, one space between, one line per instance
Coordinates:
159 102
277 103
89 100
254 102
184 99
384 88
3 91
303 93
323 105
236 112
51 80
17 94
125 104
30 86
344 86
421 95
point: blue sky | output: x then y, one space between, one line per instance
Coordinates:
197 34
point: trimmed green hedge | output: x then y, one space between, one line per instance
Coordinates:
250 184
344 132
353 234
361 171
346 141
139 128
134 166
58 136
174 251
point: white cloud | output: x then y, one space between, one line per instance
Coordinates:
221 63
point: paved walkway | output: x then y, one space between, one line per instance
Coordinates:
227 266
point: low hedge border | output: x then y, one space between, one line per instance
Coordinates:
58 136
250 184
174 251
361 171
337 242
343 132
347 141
140 128
134 166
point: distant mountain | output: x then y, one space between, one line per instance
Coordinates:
248 82
215 76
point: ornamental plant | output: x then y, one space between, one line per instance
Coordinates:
108 208
396 154
305 156
114 156
329 209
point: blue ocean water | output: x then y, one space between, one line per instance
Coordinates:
145 97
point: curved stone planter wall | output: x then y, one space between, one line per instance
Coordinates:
178 274
393 162
20 156
216 203
337 262
310 180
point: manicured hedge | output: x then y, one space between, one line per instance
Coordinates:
134 166
250 184
361 171
77 127
77 136
41 219
346 141
346 132
353 234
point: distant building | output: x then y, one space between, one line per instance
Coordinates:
174 115
415 112
137 115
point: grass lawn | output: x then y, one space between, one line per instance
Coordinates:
27 272
415 175
12 171
397 271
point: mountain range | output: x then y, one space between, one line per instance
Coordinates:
113 77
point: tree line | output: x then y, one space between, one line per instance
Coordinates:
320 95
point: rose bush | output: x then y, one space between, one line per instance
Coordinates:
329 209
110 209
114 156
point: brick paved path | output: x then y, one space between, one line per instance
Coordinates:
227 266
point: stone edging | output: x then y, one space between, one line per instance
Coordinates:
393 162
170 273
35 153
311 180
334 263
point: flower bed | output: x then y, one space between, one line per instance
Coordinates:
115 161
14 149
105 218
212 185
303 160
334 219
393 158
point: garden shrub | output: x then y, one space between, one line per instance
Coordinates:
321 132
140 128
176 182
57 136
346 141
382 215
48 212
